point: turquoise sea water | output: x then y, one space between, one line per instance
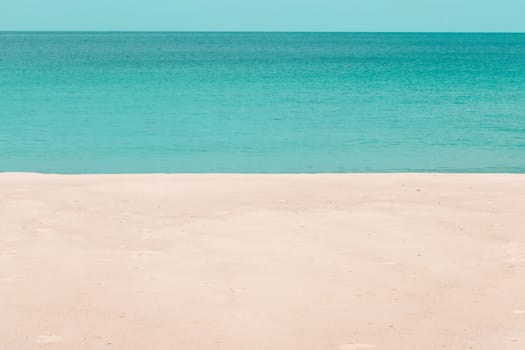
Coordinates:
261 102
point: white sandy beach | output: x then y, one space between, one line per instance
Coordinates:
247 262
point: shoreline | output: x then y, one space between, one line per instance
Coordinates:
397 261
263 174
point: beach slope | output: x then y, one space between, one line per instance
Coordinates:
236 262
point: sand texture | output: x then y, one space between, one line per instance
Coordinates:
247 262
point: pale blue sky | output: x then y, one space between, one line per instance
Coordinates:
265 15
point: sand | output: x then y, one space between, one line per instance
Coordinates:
242 262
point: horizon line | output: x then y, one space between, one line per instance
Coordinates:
260 31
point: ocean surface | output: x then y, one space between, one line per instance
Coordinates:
262 102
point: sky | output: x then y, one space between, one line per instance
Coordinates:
265 15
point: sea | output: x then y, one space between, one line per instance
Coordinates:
182 102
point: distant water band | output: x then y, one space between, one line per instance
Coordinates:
262 102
